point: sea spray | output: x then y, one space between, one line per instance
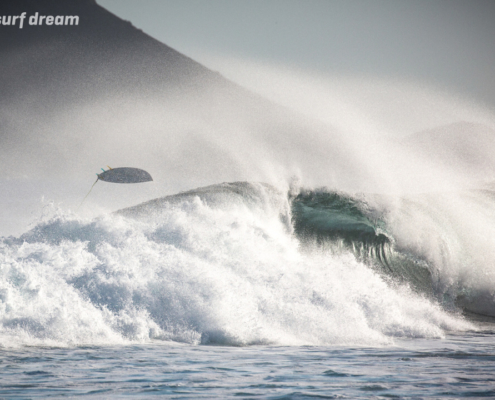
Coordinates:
454 232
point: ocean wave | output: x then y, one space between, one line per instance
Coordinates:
229 264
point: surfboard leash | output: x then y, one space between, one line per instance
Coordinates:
97 179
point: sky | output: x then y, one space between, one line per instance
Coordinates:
445 44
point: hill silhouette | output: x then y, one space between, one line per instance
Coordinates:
101 53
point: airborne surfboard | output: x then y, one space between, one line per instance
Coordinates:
125 175
121 175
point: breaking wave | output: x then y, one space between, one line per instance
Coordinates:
242 264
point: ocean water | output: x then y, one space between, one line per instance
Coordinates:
246 290
457 366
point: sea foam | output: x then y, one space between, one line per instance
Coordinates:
209 267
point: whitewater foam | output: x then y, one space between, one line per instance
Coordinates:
196 270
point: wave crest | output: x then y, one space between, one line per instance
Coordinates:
219 265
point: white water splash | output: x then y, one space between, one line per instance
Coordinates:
211 270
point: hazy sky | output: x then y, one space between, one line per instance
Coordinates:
448 43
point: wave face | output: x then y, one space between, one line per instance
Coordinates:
343 223
439 244
232 264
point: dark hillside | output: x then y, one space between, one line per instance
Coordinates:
101 52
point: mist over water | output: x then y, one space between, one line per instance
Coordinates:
223 265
